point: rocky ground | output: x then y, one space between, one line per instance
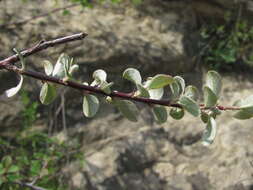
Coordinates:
155 37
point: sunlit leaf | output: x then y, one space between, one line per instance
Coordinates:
160 113
73 69
245 113
190 105
47 93
11 92
132 75
99 75
127 108
213 81
210 132
175 90
90 105
48 67
191 92
210 99
59 68
160 81
245 102
177 113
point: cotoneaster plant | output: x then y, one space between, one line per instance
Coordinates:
184 98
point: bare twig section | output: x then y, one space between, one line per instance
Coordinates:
25 21
42 45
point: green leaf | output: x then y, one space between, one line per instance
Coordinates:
13 169
47 93
142 91
13 177
160 81
13 91
60 66
213 81
99 75
106 87
21 58
177 113
160 113
127 108
191 92
210 99
90 105
175 90
181 83
35 167
209 133
6 161
48 67
132 75
190 105
245 113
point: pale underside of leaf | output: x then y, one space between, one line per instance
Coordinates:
48 67
191 92
11 92
90 105
210 99
210 132
132 75
214 82
99 75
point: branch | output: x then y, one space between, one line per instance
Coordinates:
7 64
42 45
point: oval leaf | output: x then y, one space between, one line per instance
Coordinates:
99 75
48 67
132 75
59 68
160 113
73 69
127 108
177 113
90 105
191 92
245 102
213 81
175 90
245 113
190 105
210 99
160 81
156 94
11 92
47 94
181 83
204 117
209 133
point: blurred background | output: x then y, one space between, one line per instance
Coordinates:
56 147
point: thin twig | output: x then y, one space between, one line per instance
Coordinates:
42 45
7 64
